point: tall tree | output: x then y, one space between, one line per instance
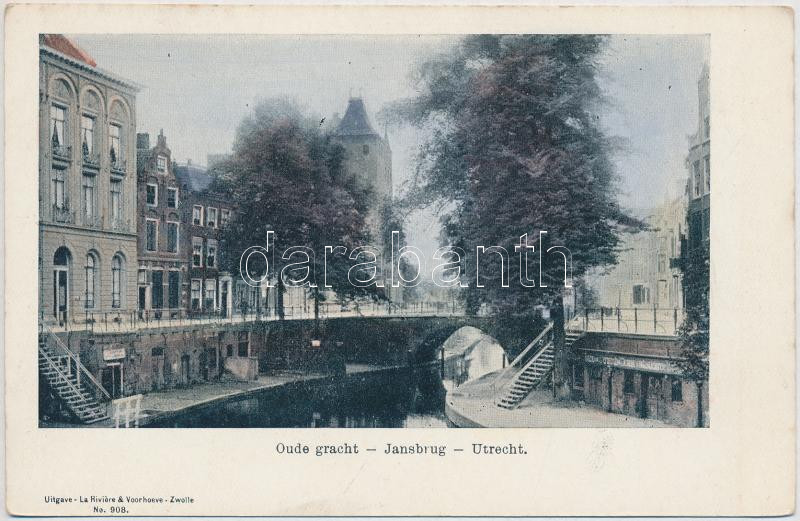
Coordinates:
694 331
286 176
516 148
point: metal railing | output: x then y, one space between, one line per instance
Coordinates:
528 356
124 321
82 375
642 320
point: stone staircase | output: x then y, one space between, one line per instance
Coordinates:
536 363
70 381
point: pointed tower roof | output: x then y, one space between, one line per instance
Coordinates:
355 121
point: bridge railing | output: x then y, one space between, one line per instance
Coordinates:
125 321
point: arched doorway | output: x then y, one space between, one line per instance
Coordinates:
61 264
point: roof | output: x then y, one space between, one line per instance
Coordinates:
355 121
65 46
195 178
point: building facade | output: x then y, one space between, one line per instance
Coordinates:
162 258
87 187
206 213
698 162
647 274
638 375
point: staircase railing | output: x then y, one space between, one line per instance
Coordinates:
541 341
62 377
80 370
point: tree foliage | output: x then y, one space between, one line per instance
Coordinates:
286 176
516 148
694 331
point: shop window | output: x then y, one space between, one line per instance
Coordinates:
627 384
244 344
577 375
677 389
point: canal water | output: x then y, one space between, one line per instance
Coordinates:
393 398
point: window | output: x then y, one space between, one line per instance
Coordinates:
627 384
115 136
662 263
116 281
172 197
196 302
641 294
229 350
172 237
197 215
90 280
151 196
225 217
365 149
161 164
197 252
708 173
707 127
211 218
211 253
58 196
210 301
677 389
244 344
697 176
151 234
58 118
116 200
87 135
88 198
578 375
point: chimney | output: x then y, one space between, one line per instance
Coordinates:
162 140
188 162
143 140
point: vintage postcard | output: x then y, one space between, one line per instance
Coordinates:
488 245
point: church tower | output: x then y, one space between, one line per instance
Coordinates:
368 155
368 158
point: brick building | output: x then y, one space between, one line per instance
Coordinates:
638 375
87 187
162 275
206 212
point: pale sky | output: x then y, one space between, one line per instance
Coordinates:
198 89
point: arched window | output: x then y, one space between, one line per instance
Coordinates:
61 263
91 280
117 265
